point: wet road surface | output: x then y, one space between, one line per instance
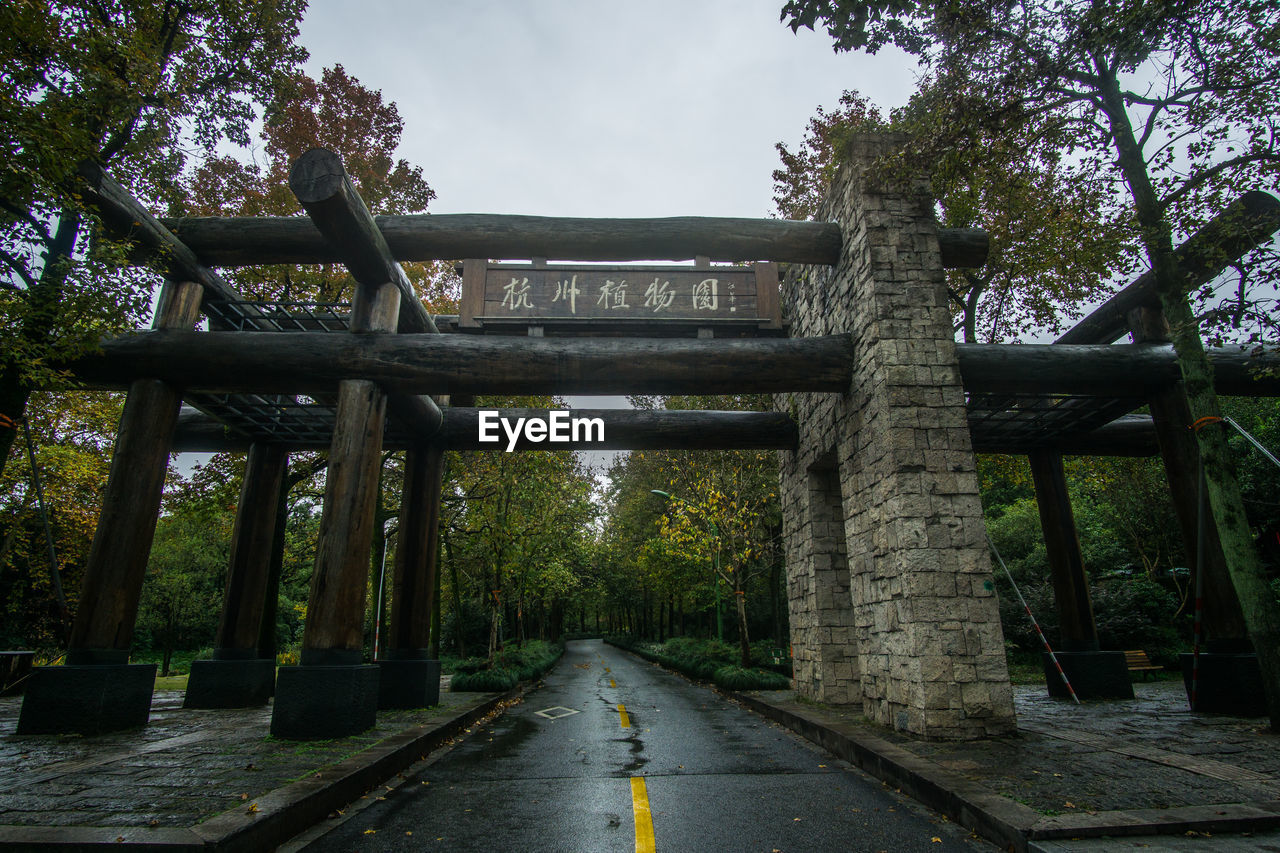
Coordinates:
615 754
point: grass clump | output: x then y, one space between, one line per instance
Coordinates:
484 681
733 677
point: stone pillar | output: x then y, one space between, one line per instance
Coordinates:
238 677
823 641
410 676
331 693
926 626
98 690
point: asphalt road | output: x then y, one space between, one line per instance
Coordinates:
575 765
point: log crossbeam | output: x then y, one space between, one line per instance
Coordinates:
1246 222
305 363
246 241
329 196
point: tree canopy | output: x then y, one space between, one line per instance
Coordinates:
131 85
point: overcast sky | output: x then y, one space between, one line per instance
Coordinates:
576 108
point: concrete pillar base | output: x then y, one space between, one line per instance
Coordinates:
317 702
1229 684
87 699
222 683
408 682
1093 675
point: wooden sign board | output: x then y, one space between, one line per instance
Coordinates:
603 295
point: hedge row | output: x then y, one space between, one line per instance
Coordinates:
682 656
508 667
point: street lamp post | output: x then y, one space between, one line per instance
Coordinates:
715 561
382 582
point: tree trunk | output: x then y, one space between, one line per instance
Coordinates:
170 631
43 301
740 596
434 643
457 600
1261 614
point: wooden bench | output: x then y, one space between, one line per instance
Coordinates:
1137 661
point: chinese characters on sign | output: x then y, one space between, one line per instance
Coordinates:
513 292
515 295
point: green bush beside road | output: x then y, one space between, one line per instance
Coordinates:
705 660
508 667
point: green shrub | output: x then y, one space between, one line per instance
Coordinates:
734 677
508 667
683 646
470 665
484 681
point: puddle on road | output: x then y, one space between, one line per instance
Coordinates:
508 736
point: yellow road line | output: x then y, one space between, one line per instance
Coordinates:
612 683
623 718
644 820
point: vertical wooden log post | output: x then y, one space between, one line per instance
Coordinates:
238 677
410 677
1094 674
1230 681
1066 565
330 693
270 606
98 690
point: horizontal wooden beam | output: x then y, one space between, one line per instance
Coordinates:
126 219
1118 370
304 363
1247 222
624 429
246 241
416 412
1130 435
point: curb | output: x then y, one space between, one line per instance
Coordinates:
282 813
1009 824
992 816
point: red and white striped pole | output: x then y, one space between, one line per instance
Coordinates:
1048 648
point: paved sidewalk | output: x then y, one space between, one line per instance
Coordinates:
1110 768
195 779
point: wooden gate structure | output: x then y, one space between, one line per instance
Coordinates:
878 415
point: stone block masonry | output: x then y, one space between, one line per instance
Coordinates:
889 581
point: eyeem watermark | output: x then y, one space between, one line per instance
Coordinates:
558 428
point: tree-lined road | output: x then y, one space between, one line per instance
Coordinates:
558 773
